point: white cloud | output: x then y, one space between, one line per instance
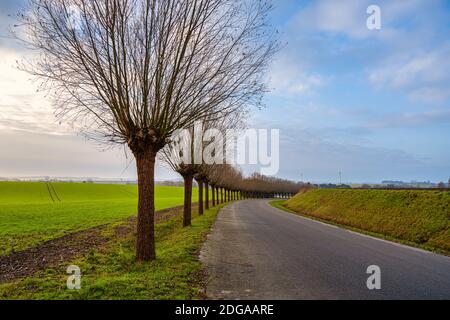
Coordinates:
22 107
430 95
289 76
315 42
348 16
409 120
425 76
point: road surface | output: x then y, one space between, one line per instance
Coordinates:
256 251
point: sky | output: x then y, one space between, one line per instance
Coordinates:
371 104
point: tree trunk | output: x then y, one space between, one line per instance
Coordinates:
145 245
206 195
213 193
187 200
219 200
200 197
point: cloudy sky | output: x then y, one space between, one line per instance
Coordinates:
374 105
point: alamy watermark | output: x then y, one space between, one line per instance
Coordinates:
374 280
374 19
210 146
74 280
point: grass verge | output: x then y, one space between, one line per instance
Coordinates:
111 272
393 216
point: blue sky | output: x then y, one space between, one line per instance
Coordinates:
372 104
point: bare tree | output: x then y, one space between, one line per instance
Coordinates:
185 156
203 188
179 156
133 71
234 122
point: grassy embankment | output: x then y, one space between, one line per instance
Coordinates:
111 272
31 213
420 218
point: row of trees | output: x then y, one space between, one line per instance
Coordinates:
132 72
225 183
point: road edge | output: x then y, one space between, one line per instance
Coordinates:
277 204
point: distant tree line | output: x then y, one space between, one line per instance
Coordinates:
333 186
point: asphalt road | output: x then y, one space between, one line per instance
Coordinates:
258 252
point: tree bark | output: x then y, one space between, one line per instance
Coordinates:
219 198
187 211
206 195
213 193
200 197
218 195
145 245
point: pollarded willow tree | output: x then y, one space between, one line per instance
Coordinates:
186 154
131 72
179 156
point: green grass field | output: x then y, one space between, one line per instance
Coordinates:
31 213
110 272
416 216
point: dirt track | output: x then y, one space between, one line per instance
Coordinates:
54 253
